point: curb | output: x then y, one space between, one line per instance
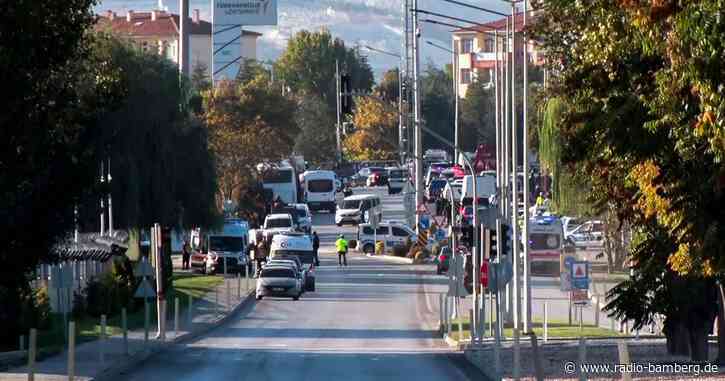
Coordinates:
12 358
133 361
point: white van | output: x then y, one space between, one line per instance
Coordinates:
296 245
397 177
391 233
224 250
319 190
358 209
486 187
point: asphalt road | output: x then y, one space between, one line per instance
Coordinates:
373 320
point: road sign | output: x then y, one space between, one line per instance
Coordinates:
440 235
566 263
579 270
144 290
244 12
499 275
580 275
484 273
421 209
580 296
455 286
425 221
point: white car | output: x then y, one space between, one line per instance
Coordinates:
590 234
275 280
391 233
278 223
304 218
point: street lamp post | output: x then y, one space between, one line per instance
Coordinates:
418 138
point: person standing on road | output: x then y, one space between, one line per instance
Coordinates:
341 246
316 247
185 255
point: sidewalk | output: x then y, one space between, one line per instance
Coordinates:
207 314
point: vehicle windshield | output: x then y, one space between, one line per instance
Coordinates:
301 212
319 186
351 204
278 223
397 174
544 241
437 184
278 176
217 243
306 257
277 273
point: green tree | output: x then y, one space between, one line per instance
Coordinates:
308 65
437 106
248 124
317 139
389 87
477 116
44 128
643 125
200 80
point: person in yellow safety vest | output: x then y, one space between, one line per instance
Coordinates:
341 246
540 200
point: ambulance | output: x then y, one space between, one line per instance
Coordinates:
546 239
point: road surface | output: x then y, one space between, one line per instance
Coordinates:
373 320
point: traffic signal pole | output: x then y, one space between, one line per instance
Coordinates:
526 313
338 102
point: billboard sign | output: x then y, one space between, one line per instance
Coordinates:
245 12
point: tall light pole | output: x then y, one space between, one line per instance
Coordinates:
514 180
418 150
339 111
527 261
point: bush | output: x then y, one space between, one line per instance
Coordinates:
112 291
35 309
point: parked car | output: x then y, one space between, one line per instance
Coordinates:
443 260
397 177
392 234
276 280
590 234
378 177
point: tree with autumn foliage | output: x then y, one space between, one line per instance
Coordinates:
248 124
375 136
643 125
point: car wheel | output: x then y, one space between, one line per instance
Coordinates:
339 224
296 297
259 297
368 248
439 271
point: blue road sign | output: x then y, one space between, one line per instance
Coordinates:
579 275
425 221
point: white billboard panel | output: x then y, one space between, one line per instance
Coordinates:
244 12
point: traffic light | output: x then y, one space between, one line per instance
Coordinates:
468 273
505 238
346 97
467 235
492 244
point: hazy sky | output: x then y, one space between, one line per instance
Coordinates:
369 22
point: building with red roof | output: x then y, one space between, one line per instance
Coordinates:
158 31
476 50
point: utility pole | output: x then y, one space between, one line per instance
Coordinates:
338 101
103 206
514 180
110 205
527 260
184 37
418 151
497 121
454 63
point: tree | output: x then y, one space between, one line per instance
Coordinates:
437 106
375 136
199 78
644 126
317 137
389 87
308 65
477 116
43 128
248 124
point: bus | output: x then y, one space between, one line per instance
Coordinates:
282 181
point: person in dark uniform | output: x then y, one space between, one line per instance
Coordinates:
315 247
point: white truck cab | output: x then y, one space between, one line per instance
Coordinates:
277 223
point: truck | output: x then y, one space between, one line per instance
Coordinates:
486 187
220 250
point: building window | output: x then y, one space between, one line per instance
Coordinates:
465 76
466 45
488 45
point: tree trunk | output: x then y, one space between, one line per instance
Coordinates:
699 348
678 338
720 324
